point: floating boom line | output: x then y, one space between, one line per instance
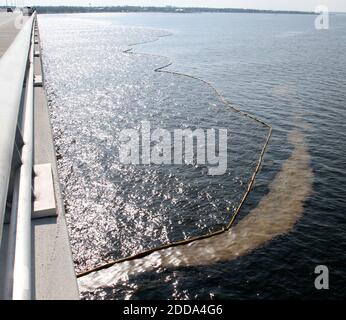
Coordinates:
249 185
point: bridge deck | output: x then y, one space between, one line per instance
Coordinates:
52 266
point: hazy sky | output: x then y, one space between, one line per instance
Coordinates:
307 5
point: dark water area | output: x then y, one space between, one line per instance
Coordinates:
278 68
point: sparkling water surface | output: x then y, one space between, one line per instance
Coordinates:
277 67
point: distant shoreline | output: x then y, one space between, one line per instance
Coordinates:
168 9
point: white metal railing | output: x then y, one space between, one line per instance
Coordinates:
16 104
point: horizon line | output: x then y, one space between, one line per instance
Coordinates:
179 7
158 6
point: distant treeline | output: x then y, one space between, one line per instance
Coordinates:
168 9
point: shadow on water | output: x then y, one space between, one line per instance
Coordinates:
275 215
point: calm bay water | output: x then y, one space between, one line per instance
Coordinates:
277 67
